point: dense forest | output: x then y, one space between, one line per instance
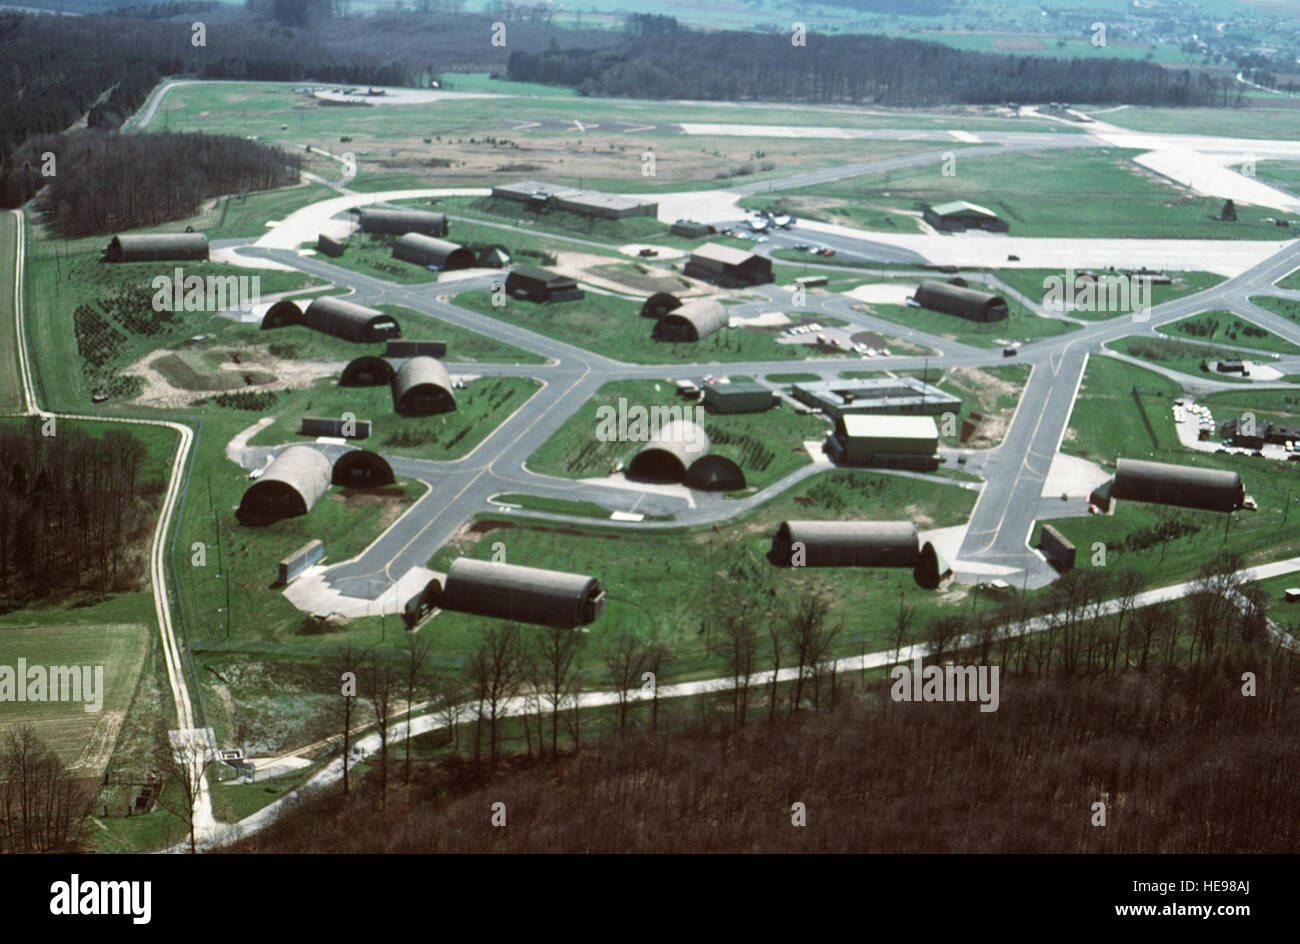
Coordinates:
1144 710
733 65
71 506
150 178
56 70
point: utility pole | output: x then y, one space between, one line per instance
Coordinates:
1286 509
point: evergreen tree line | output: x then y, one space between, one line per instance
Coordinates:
734 65
71 507
108 182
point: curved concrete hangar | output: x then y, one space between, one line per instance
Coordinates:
680 453
1207 489
281 315
965 303
289 487
846 544
669 453
523 594
659 304
367 371
382 220
541 285
348 321
692 321
361 468
157 247
432 253
422 387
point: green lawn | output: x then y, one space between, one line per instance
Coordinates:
372 254
1022 325
231 217
1279 306
613 326
1291 281
463 345
1032 284
767 446
1231 329
666 582
1229 122
1285 174
1108 421
1134 536
112 304
480 408
1108 196
1181 356
65 726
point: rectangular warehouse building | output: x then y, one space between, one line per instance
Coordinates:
894 441
538 195
329 426
897 395
959 216
728 267
690 229
541 285
738 398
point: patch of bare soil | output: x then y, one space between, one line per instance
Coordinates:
388 503
253 362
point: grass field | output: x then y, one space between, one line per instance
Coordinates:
1108 196
1022 325
1031 282
1108 422
1291 281
11 388
480 408
463 345
1228 122
1279 306
112 306
1181 356
1282 173
372 254
666 583
614 327
80 738
767 446
1134 536
231 217
1228 328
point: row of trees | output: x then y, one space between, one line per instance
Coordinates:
42 806
70 508
107 182
848 68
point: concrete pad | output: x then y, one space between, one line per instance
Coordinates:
310 593
230 256
1209 176
768 319
814 449
265 768
618 481
239 442
306 224
947 541
664 252
1072 476
626 516
965 136
882 293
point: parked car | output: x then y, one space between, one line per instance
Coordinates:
1013 258
1009 352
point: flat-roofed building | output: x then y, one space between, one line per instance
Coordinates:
898 395
738 398
541 285
879 439
727 266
